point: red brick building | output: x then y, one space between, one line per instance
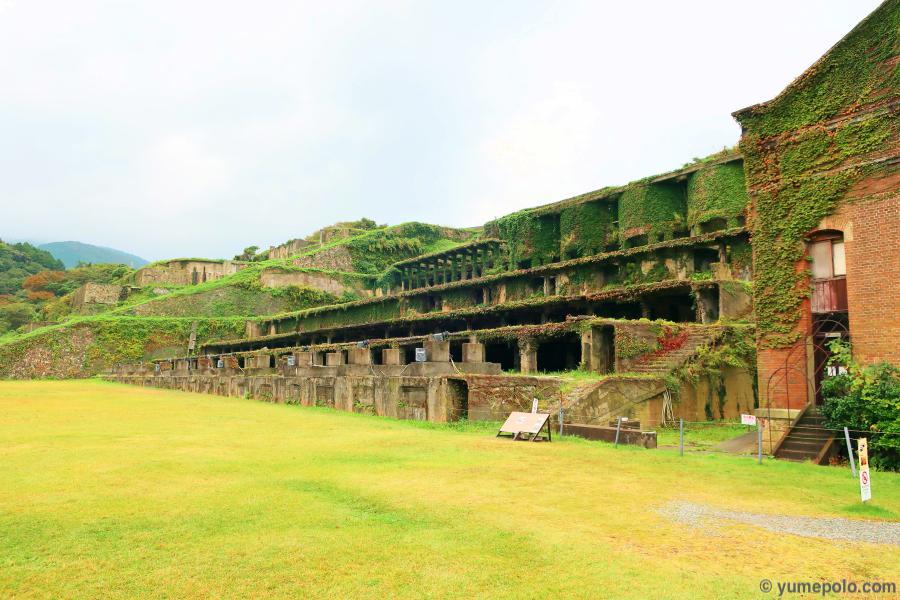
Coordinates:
822 161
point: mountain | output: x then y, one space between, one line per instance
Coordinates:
72 253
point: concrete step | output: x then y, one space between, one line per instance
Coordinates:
797 455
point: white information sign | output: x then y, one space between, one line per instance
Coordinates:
865 482
748 419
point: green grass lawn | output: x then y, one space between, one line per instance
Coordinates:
109 491
701 436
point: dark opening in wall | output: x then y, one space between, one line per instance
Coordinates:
524 264
241 362
536 286
377 356
408 354
477 296
621 310
704 258
559 353
551 286
456 351
433 303
635 241
708 304
672 307
504 353
602 349
459 399
487 295
713 225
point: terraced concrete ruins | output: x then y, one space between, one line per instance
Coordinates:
701 293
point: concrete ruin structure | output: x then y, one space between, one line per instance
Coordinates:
702 293
185 271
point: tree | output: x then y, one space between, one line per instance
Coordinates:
249 254
14 315
18 261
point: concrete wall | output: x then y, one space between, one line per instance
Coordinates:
185 272
275 278
95 294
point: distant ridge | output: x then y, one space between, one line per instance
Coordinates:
72 253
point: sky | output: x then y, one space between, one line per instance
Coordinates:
195 128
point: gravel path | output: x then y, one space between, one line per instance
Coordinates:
832 528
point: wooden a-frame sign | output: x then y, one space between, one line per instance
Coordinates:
526 426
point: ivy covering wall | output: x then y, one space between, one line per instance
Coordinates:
585 229
801 162
716 192
530 238
657 209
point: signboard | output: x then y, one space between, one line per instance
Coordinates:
420 355
748 419
865 483
534 406
220 364
291 360
525 425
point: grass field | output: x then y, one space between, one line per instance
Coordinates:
121 492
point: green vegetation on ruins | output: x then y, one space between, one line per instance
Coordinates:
797 142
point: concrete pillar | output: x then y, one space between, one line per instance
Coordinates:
528 356
473 352
392 356
303 359
272 329
360 356
334 359
263 361
437 351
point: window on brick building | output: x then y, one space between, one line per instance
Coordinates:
829 269
828 258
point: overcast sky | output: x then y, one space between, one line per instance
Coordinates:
196 128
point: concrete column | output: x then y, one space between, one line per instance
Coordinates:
303 359
473 352
334 359
437 351
360 356
528 356
392 356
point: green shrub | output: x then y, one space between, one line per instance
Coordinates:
866 399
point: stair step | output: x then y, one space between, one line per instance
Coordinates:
796 455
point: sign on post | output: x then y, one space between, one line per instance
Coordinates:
421 356
865 483
534 406
748 419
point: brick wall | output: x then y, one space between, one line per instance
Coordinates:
873 279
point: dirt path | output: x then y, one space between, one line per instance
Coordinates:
832 528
